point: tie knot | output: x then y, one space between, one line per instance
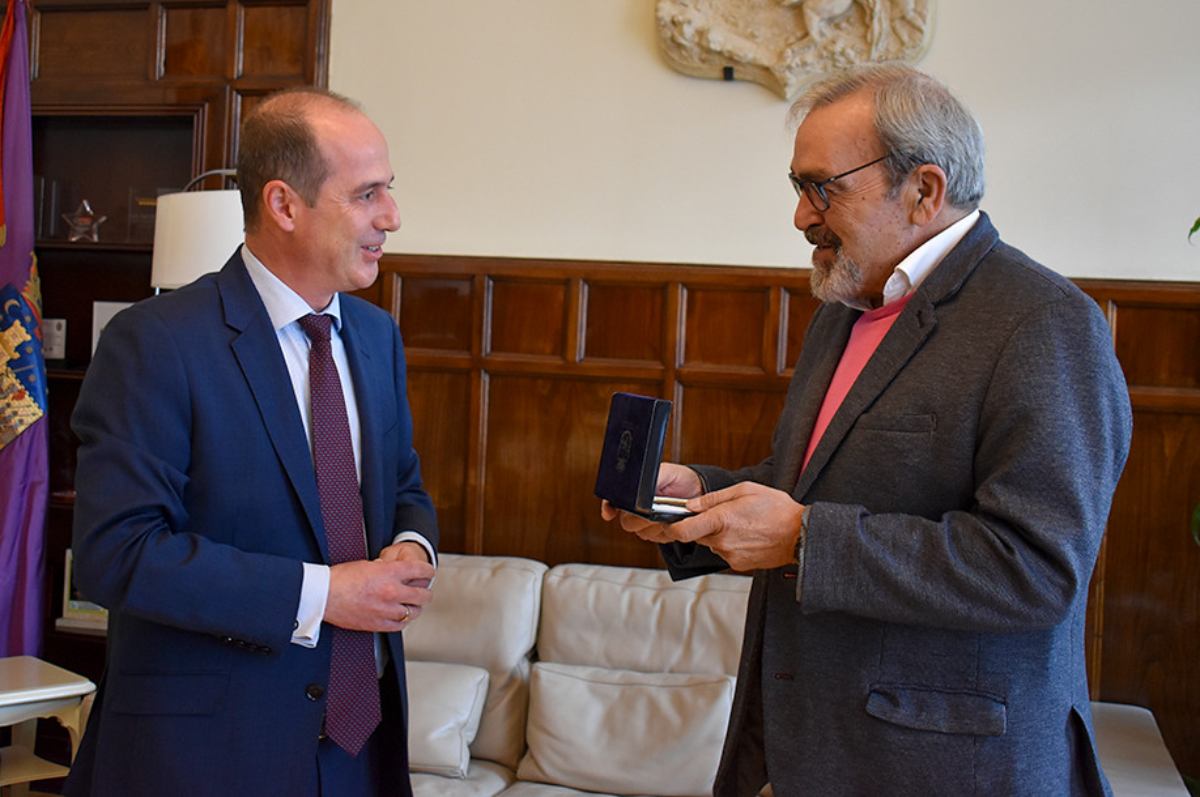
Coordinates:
316 326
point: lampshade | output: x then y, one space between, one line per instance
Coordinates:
195 232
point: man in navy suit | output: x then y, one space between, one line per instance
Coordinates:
923 533
199 521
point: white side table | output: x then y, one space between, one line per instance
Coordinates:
31 688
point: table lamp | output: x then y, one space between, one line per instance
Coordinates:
195 232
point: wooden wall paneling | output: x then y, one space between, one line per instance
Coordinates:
194 42
727 425
527 317
673 341
479 416
1149 625
574 335
726 326
436 312
75 42
798 309
625 321
544 436
275 40
441 400
1163 348
1151 609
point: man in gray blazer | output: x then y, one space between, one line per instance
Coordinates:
923 534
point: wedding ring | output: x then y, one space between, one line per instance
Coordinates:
407 614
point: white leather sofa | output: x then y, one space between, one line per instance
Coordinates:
629 693
528 681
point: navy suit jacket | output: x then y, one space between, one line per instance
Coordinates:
932 642
197 504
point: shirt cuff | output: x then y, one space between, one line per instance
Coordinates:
412 536
801 544
314 593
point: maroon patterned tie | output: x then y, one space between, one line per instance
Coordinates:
352 710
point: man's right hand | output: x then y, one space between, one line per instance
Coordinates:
372 595
678 481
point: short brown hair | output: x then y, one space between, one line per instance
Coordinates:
277 143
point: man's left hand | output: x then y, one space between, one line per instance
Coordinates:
749 525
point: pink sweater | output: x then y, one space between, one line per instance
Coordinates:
869 330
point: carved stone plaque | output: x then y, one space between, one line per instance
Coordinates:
784 44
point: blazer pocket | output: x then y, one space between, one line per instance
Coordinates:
937 710
882 422
195 694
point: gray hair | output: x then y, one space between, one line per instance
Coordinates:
917 119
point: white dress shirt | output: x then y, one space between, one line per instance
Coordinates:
912 270
285 308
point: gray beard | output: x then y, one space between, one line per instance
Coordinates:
841 282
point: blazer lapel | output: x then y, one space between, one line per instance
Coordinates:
368 376
818 362
256 349
914 325
902 341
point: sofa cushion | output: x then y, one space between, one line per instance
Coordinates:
628 618
524 788
1132 752
484 779
444 704
625 732
485 613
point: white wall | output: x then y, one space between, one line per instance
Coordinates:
553 128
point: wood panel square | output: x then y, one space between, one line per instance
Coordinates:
724 327
435 312
800 306
274 40
194 42
92 44
1158 346
441 406
1151 605
728 427
543 444
624 322
527 317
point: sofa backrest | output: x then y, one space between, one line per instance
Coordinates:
626 618
633 681
485 613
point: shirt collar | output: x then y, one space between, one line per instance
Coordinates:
284 305
912 270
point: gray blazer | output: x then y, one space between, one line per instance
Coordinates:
933 642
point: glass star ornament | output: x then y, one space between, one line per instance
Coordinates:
84 223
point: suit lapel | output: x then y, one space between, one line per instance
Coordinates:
367 375
818 363
908 334
902 341
256 349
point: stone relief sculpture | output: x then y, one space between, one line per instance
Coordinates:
783 44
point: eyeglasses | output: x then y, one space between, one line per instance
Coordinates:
816 191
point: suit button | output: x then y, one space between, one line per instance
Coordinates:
314 691
783 676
